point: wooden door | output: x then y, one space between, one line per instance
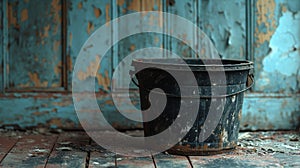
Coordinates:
41 40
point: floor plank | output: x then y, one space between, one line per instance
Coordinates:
6 143
164 160
132 162
100 157
67 152
30 151
102 160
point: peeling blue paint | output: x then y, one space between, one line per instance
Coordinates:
272 104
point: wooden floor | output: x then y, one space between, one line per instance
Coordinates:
75 149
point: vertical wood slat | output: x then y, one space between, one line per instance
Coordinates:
30 151
250 17
2 46
84 18
224 23
34 52
187 10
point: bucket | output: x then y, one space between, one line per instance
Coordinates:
224 137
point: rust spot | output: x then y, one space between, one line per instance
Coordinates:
97 12
24 15
63 103
90 27
135 5
24 85
90 71
107 17
69 63
70 39
56 45
265 16
79 5
11 15
40 113
103 80
56 10
149 5
36 80
132 47
7 68
120 2
283 8
61 123
57 69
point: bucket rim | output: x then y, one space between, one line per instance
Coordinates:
237 64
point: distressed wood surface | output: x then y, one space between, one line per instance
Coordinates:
67 153
30 151
225 23
162 160
34 45
131 162
84 17
255 149
277 45
6 144
33 56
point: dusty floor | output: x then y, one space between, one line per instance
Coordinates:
44 148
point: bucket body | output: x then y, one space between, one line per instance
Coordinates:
225 135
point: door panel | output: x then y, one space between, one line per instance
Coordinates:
84 18
41 41
34 57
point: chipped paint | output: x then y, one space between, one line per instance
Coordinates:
11 16
134 5
90 27
107 15
79 6
34 77
90 70
24 15
276 54
120 2
278 61
265 20
97 12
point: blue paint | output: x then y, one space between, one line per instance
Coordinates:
277 60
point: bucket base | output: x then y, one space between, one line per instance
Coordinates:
188 151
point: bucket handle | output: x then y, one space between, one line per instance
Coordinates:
249 84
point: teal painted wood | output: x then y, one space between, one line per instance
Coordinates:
56 110
270 112
34 47
276 56
85 17
224 22
188 10
277 45
2 47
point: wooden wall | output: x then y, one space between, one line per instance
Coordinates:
41 39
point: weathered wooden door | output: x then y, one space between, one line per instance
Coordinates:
41 40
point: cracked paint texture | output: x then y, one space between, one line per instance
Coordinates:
34 44
277 56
